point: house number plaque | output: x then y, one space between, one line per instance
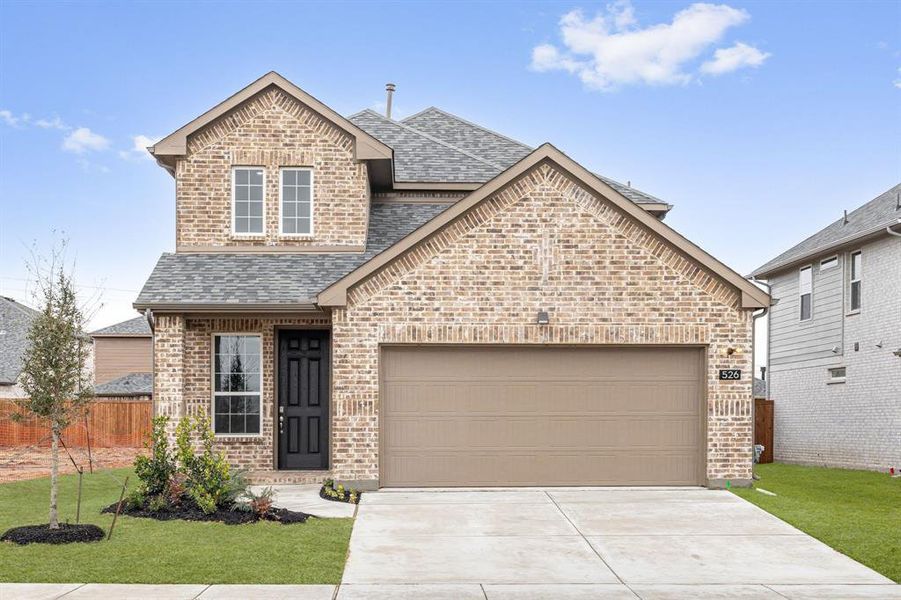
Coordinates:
730 374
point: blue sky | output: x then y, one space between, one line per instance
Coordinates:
760 121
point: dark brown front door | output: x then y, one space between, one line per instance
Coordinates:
303 398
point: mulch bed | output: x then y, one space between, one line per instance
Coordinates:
42 534
229 517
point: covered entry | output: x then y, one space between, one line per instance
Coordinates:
514 415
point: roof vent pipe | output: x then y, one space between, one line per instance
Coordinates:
845 219
389 88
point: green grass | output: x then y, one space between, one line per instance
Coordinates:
149 551
856 512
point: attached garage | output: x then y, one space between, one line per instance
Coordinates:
541 415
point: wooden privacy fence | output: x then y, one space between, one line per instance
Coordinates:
763 427
113 422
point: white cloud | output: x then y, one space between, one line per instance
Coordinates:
897 82
139 147
726 60
54 123
84 140
10 119
611 50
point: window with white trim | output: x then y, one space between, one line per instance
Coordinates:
828 263
805 292
236 384
855 271
247 200
837 375
297 201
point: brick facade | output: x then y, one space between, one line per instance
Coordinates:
271 130
544 242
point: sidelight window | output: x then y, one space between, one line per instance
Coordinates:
236 384
856 268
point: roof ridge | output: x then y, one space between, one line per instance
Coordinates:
22 308
432 138
471 124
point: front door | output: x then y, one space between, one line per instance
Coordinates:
303 398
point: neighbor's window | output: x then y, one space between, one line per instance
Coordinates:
297 201
837 375
236 384
829 263
805 286
247 200
855 280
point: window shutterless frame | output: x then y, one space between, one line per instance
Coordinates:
234 217
805 293
855 273
214 393
281 201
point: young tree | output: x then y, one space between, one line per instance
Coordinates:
55 373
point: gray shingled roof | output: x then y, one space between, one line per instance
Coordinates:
421 157
15 321
436 146
136 326
274 278
870 218
133 384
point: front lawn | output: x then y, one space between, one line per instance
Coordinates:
856 512
150 551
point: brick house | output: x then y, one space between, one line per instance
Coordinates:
835 341
427 302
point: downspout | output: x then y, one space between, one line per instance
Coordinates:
754 316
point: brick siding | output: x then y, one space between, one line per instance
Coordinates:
271 130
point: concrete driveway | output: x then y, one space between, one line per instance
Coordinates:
590 543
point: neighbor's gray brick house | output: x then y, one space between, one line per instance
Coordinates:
428 302
835 341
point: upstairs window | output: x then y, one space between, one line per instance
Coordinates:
247 200
805 291
236 384
297 202
854 292
829 263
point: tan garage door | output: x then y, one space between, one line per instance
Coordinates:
480 416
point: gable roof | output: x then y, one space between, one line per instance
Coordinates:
137 327
366 146
870 219
290 281
415 158
15 321
752 296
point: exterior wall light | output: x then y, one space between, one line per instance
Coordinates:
543 318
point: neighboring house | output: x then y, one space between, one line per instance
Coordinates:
428 303
123 359
15 321
835 341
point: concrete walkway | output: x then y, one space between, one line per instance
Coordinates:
305 498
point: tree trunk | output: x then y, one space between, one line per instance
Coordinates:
54 478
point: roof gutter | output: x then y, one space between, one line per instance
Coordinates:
305 306
833 246
890 231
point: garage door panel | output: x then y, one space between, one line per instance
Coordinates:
511 468
540 416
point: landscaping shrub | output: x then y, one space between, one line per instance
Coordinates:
156 471
339 493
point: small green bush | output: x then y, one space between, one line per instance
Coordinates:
156 470
208 478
